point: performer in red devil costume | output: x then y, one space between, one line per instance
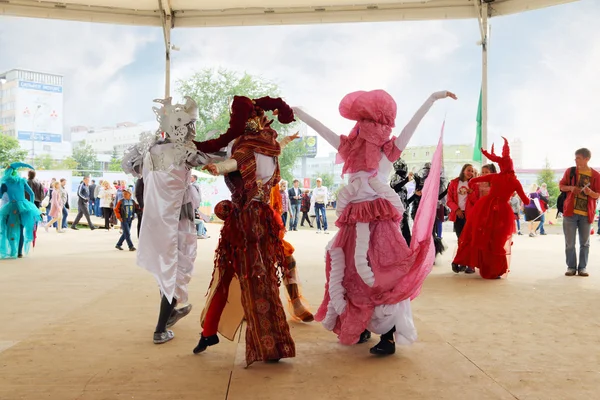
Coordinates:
487 237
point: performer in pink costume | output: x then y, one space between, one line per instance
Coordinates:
372 274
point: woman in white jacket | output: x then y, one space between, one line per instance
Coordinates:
107 195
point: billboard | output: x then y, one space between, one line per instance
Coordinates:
310 144
39 112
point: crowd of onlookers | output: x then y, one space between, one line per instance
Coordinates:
311 203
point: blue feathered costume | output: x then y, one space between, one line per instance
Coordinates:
19 216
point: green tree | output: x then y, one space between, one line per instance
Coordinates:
213 90
327 178
10 150
546 175
43 161
85 157
68 163
115 161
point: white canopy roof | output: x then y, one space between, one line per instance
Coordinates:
202 13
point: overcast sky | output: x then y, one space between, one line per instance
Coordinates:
543 71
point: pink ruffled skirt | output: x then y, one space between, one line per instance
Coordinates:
371 272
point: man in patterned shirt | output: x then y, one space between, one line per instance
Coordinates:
583 188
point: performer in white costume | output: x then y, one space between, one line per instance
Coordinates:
168 241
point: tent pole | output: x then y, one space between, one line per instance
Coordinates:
167 24
484 76
167 32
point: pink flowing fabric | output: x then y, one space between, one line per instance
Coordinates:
398 271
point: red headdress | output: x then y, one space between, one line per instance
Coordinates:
242 110
505 162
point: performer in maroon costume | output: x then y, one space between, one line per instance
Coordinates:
487 237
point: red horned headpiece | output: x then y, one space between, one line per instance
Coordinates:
285 114
504 162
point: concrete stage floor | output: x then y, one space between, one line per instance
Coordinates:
78 317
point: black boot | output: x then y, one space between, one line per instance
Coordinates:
204 342
364 337
386 345
161 334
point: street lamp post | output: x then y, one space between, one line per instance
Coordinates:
33 133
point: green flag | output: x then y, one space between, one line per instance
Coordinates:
477 156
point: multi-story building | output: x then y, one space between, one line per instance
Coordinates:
318 166
455 156
31 110
106 140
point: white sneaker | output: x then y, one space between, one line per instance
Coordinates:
327 232
46 227
319 231
61 231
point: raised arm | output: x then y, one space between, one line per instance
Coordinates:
410 128
331 137
400 184
524 198
287 140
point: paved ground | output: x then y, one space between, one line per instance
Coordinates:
79 317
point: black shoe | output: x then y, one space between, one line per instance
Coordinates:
118 247
469 270
272 361
132 249
364 337
455 268
204 342
74 228
383 348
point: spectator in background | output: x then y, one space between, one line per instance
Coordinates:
579 210
37 188
285 202
56 209
64 196
533 210
97 210
92 204
305 208
516 204
50 188
83 192
107 194
458 198
543 195
125 210
320 197
295 196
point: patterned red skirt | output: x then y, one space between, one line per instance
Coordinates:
250 244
